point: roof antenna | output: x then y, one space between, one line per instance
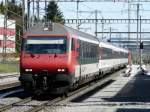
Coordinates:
48 26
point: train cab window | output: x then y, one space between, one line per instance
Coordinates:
46 45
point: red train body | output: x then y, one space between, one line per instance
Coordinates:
57 58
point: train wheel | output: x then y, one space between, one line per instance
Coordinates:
66 93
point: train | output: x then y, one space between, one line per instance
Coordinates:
56 58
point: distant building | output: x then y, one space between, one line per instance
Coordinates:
11 35
132 46
132 43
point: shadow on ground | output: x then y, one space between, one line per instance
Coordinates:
136 90
133 110
23 94
92 92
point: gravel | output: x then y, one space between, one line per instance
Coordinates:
6 101
8 80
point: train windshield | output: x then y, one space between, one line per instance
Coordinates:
46 45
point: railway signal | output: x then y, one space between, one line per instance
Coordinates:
141 45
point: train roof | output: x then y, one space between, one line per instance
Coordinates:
82 34
58 29
113 47
39 28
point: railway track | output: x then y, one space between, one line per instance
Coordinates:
9 86
9 106
8 81
55 100
5 75
71 95
58 99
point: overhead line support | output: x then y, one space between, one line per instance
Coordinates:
108 21
125 1
123 32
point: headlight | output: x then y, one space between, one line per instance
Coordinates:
28 70
62 70
59 70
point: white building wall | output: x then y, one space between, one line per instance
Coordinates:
11 35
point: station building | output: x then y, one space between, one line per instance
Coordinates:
10 32
132 43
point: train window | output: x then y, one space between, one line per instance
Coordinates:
46 45
107 53
72 44
88 52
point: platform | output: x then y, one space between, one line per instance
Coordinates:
125 94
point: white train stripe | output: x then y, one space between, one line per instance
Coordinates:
82 70
88 40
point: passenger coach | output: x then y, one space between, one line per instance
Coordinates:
112 57
55 58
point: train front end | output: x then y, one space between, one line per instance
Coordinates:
45 63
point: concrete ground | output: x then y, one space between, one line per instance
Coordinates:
125 94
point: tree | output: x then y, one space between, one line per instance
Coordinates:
53 13
1 8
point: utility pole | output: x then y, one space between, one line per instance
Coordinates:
129 22
33 19
28 14
45 11
23 15
102 28
96 23
38 11
5 32
137 30
120 40
78 14
110 34
140 43
95 19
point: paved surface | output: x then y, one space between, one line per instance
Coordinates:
126 94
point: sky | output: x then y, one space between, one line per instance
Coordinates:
107 10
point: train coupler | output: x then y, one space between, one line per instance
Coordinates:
45 85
